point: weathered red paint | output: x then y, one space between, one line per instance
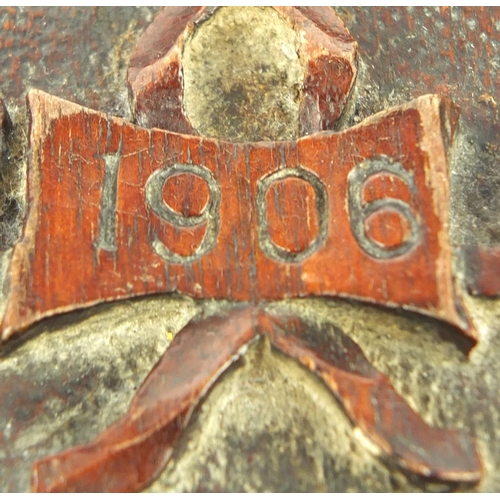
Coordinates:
87 240
327 51
134 450
93 235
371 402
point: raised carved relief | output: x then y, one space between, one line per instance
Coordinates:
136 210
127 240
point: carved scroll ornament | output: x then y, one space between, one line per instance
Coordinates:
113 214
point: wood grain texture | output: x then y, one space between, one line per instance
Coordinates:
100 229
327 51
132 452
407 51
95 233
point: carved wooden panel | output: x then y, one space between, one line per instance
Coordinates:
136 448
118 211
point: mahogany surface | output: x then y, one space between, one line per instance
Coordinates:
96 197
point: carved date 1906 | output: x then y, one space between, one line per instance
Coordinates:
159 212
116 211
356 213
